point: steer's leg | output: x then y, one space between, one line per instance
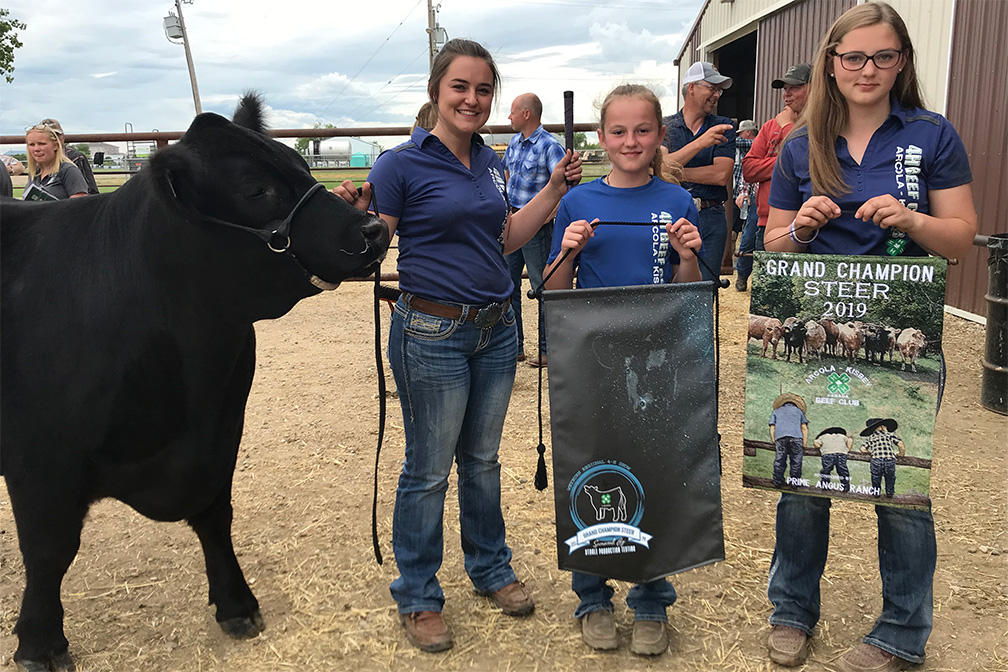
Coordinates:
49 522
237 608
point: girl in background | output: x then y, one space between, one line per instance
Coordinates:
631 132
867 171
48 168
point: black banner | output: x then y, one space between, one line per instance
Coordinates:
634 426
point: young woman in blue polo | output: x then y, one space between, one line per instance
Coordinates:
452 343
631 131
867 171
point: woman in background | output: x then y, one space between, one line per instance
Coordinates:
49 169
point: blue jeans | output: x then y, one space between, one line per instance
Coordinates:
907 555
787 447
879 468
838 460
714 233
648 600
747 243
533 255
454 382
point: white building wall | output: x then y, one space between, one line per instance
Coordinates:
929 23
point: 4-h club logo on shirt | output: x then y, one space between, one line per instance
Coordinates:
838 383
896 243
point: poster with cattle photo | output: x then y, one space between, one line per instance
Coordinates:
842 374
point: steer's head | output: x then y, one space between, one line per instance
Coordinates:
238 185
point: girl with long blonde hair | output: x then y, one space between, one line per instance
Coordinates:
868 171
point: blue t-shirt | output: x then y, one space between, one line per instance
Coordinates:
788 420
678 135
620 256
914 150
451 219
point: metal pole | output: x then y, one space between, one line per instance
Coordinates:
188 55
432 39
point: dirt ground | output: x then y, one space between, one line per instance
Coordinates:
135 598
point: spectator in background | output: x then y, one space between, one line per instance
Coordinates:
48 168
704 144
13 166
82 162
530 157
426 117
6 187
744 194
758 164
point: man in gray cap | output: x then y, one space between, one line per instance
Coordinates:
758 164
704 144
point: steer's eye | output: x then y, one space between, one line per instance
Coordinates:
257 192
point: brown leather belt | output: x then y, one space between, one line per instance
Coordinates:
707 204
485 316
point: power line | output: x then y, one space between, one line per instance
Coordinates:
359 71
350 113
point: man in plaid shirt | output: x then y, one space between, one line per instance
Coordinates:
883 443
529 159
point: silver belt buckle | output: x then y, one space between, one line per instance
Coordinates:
489 315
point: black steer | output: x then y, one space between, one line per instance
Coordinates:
128 349
876 343
794 340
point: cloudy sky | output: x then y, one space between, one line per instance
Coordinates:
97 65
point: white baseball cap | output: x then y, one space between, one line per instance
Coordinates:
702 71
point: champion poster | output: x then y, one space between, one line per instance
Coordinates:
636 468
843 371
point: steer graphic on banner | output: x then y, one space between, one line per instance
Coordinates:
635 450
860 364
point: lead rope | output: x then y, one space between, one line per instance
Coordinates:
537 294
382 403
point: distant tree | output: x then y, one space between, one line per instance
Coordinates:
580 141
84 149
8 43
301 144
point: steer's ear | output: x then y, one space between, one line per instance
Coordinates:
177 175
250 112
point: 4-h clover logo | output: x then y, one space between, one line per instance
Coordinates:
896 243
838 383
606 498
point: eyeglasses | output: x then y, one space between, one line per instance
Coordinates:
883 60
712 87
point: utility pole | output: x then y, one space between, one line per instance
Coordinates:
436 35
174 30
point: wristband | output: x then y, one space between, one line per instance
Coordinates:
798 240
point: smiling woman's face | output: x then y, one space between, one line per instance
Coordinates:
870 85
465 95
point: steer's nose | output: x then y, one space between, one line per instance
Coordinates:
376 233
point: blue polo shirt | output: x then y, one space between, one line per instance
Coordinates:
912 152
529 162
621 256
678 135
451 219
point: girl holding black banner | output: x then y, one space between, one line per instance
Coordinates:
631 132
867 171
